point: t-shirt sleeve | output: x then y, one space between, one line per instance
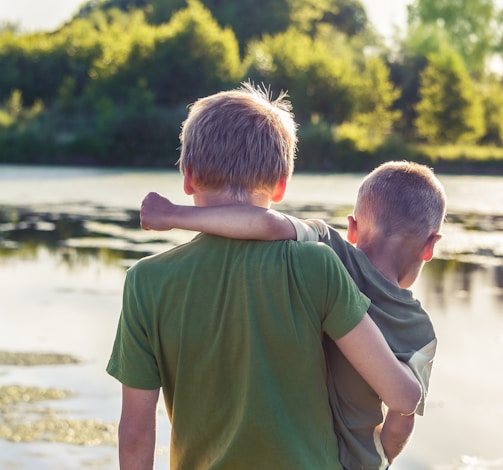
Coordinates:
318 230
310 230
344 305
421 363
132 361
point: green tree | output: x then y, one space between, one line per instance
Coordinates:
247 18
499 36
192 56
450 110
492 96
38 64
374 117
421 41
178 61
346 16
251 19
124 43
318 82
469 24
405 75
90 7
375 100
29 63
160 11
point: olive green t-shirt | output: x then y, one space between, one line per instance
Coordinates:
232 332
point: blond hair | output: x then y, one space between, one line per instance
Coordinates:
401 197
241 141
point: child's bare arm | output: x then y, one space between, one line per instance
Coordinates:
395 433
240 221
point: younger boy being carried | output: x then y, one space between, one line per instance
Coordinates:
399 211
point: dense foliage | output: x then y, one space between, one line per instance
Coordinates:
112 85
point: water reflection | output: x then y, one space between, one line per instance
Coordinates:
498 278
76 234
99 233
448 280
63 267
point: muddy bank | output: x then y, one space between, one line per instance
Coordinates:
31 413
9 358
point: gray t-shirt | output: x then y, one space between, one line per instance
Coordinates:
356 408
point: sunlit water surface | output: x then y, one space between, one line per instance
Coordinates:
67 236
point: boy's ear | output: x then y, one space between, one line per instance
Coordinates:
279 191
352 235
429 246
188 186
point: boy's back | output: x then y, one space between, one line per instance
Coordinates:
356 408
219 342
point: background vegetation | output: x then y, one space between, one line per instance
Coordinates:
112 86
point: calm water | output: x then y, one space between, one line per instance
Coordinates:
67 236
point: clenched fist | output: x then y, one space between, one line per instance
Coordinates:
155 212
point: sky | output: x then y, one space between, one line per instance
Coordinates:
47 15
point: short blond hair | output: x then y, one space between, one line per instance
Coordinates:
401 197
241 140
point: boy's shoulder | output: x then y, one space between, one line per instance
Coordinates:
317 258
158 260
309 229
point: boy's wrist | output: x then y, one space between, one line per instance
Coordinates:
183 217
173 216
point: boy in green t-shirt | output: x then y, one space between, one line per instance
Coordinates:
231 329
398 214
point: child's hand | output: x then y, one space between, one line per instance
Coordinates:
155 211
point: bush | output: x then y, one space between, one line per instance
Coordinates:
316 149
325 148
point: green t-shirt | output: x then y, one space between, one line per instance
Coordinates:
231 330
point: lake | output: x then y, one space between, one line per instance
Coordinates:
67 236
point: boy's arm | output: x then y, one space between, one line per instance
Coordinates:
137 428
395 433
397 429
240 221
368 352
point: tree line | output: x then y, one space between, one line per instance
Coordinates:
112 85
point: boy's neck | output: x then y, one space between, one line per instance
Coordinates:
222 198
394 259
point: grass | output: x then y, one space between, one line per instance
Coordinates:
461 152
